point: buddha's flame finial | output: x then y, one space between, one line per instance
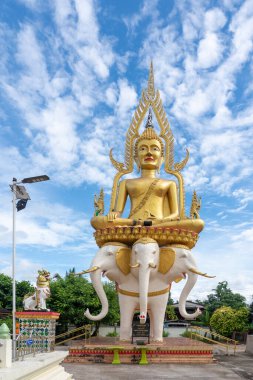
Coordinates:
149 123
151 82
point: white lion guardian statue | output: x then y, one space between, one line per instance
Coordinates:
37 300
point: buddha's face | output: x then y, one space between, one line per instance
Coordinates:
149 154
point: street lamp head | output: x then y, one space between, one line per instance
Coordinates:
39 178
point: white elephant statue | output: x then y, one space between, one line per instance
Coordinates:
113 261
37 299
181 262
143 275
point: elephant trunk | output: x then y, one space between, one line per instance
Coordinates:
191 281
144 275
98 286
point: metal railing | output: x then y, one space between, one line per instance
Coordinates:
85 331
31 344
208 336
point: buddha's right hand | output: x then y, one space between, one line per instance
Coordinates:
112 216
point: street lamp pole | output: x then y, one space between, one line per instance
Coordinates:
14 184
19 192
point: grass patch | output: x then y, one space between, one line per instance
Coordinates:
112 334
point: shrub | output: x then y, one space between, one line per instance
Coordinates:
112 334
170 313
225 320
8 322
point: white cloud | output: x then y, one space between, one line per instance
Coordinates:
200 100
25 269
214 19
246 236
244 195
56 102
148 9
46 224
209 51
33 4
127 97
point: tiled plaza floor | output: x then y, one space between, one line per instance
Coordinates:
230 367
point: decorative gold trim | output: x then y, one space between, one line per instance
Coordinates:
166 259
115 244
122 258
178 246
164 236
145 240
150 294
145 198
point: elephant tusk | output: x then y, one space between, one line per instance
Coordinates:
93 269
193 270
135 266
152 265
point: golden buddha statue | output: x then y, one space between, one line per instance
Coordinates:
155 202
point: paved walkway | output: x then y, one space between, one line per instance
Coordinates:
230 367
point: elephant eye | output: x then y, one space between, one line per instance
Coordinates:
109 253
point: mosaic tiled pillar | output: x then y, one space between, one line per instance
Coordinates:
39 326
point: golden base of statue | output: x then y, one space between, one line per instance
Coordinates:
163 235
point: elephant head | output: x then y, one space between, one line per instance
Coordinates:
181 262
144 264
107 262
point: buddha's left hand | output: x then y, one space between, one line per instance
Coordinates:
112 216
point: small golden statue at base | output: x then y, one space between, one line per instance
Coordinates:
157 207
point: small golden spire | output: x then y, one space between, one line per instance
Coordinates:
151 82
99 203
195 206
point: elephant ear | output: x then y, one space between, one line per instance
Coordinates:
123 259
167 258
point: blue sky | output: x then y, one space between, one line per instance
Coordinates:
71 75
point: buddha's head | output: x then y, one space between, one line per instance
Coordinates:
149 148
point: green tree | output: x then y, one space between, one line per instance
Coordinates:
225 320
170 313
223 296
5 291
72 295
251 310
204 318
22 288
